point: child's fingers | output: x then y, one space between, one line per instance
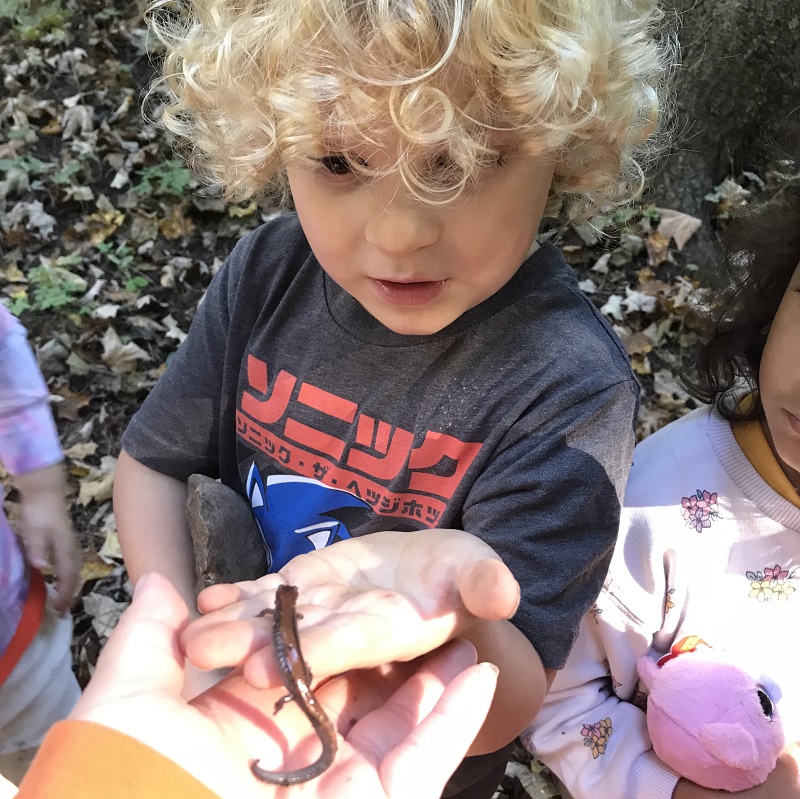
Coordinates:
34 544
336 643
66 564
488 589
228 636
216 597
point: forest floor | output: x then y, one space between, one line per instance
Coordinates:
108 244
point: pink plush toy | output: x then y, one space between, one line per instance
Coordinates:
709 720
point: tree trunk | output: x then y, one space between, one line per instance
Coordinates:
739 76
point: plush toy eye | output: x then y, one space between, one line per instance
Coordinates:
767 708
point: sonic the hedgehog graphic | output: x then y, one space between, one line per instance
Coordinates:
299 514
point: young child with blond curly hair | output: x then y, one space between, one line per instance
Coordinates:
400 354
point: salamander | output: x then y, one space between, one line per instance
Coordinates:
296 677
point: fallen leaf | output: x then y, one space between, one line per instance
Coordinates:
638 343
71 403
107 311
678 226
93 567
613 307
175 224
81 450
111 547
121 357
638 301
104 221
238 212
98 486
601 264
655 287
105 612
657 248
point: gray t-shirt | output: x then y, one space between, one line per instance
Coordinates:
515 423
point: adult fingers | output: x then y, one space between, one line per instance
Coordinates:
380 731
421 765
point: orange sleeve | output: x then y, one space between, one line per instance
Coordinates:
84 760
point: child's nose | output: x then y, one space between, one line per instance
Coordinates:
401 231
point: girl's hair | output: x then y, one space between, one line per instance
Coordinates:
761 251
257 82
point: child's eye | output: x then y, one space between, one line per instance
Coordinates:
339 164
335 164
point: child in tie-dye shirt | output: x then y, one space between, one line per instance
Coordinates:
37 686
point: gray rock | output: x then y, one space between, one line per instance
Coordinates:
227 543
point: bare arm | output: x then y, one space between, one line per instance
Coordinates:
150 510
521 685
782 783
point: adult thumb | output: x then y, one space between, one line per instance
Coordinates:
142 655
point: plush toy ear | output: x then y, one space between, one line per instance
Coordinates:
731 744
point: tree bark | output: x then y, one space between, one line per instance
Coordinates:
740 61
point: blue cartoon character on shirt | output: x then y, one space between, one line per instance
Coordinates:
298 514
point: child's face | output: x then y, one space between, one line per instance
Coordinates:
415 267
779 381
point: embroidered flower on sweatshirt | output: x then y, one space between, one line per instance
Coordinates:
596 736
700 509
771 584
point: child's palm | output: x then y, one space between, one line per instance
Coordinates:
388 597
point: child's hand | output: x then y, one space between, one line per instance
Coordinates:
46 530
389 596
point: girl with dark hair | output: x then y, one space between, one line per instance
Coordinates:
710 537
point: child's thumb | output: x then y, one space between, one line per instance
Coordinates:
488 589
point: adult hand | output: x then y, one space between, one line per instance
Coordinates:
401 744
366 601
46 530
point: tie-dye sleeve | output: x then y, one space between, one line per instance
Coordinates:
28 436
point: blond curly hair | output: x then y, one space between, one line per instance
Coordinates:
254 84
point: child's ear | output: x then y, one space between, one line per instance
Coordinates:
648 669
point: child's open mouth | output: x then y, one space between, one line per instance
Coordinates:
413 293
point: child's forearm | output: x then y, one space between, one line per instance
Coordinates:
150 511
521 685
